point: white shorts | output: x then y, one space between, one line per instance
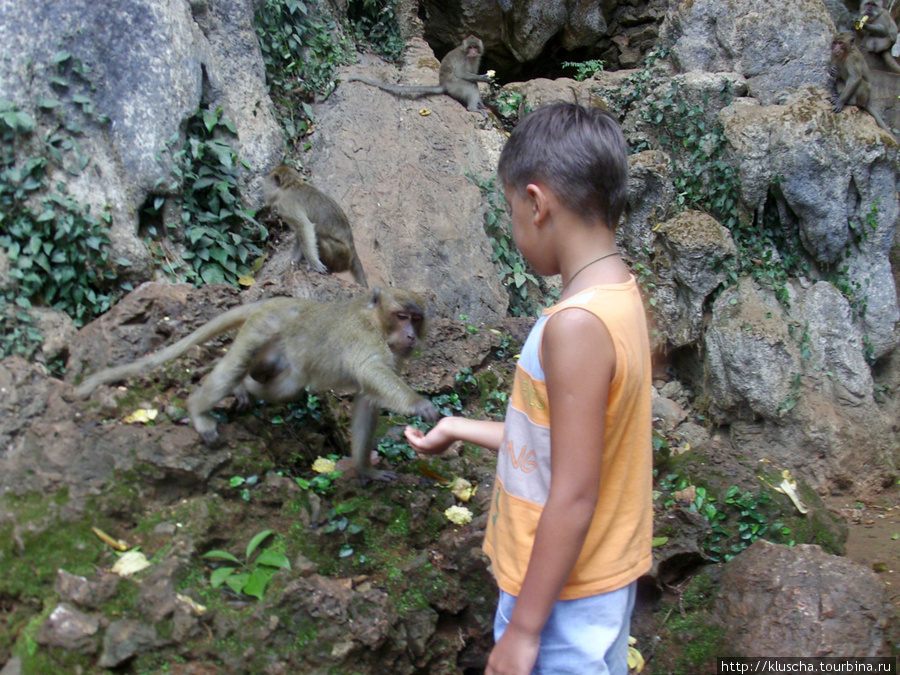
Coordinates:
587 636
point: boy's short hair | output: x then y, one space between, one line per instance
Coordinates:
579 153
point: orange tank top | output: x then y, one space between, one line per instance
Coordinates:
617 549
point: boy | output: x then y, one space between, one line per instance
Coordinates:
571 517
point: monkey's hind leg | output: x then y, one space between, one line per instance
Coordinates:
879 121
362 435
225 378
306 240
890 62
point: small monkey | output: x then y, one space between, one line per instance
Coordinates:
287 344
458 77
323 232
851 78
877 32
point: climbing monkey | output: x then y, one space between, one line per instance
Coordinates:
851 78
458 77
287 344
877 32
323 232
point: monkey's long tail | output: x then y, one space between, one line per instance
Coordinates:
399 89
224 322
356 269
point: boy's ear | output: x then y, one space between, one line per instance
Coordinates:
538 200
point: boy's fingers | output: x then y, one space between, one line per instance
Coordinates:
412 434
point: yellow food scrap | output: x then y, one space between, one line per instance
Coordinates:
141 416
463 490
323 465
195 607
117 544
130 563
635 658
458 515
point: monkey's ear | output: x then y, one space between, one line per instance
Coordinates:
376 297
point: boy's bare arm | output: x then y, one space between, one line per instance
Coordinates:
449 429
579 363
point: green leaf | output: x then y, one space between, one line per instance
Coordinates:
212 274
256 541
218 576
659 541
221 555
273 559
236 582
24 121
210 120
259 579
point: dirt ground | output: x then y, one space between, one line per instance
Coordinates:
874 537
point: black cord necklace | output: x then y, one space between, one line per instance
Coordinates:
582 268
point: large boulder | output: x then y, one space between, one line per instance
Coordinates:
781 601
795 388
694 246
780 46
834 178
145 65
409 189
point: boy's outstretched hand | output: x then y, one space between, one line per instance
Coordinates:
434 442
450 429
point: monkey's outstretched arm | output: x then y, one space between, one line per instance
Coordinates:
400 89
224 322
383 386
474 78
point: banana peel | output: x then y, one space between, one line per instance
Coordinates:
117 544
788 486
635 658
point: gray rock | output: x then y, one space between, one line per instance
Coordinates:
12 667
83 591
751 357
124 639
837 183
784 601
147 61
69 628
418 220
760 39
668 412
697 246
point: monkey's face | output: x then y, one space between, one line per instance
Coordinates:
474 47
838 49
871 9
406 328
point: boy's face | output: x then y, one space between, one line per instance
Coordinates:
526 233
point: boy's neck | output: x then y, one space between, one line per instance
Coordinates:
589 257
